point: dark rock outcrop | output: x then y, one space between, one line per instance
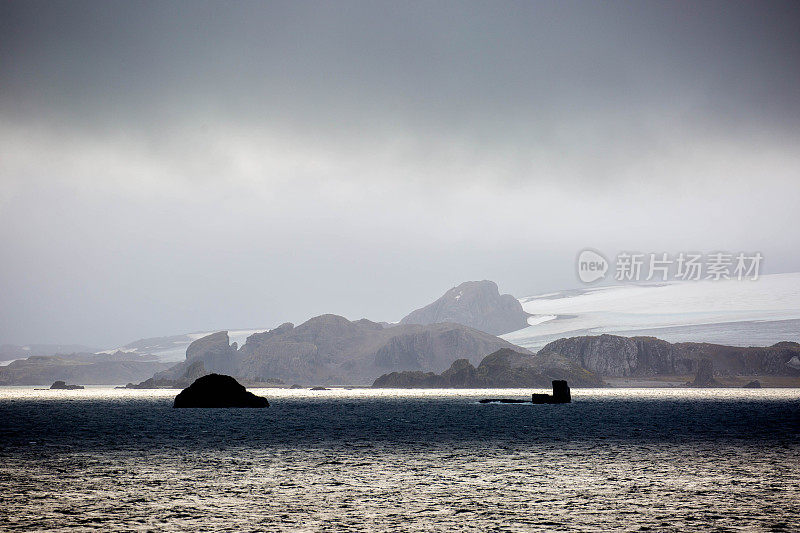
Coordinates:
615 356
755 384
705 375
476 304
504 368
561 394
63 385
216 390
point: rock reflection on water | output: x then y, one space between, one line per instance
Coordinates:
405 461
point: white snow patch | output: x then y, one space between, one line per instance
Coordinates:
540 319
780 292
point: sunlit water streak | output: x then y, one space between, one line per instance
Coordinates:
676 459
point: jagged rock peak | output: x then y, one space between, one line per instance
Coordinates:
218 341
215 352
477 304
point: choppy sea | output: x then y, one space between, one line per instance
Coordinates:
397 460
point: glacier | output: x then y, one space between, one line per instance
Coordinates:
735 312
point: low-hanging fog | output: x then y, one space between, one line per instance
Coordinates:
185 166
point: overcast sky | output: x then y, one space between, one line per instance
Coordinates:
168 167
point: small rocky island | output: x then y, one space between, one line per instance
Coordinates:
561 394
62 385
218 390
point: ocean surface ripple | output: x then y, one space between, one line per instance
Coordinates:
389 460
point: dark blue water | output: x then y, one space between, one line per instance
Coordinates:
318 421
402 460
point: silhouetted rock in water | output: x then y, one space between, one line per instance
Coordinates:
560 394
705 375
477 304
319 388
504 368
755 384
541 398
64 386
216 390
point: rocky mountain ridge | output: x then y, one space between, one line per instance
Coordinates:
332 350
615 356
505 368
84 368
329 349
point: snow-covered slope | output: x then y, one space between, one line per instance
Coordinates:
733 312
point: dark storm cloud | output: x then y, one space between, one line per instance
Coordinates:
175 166
503 68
